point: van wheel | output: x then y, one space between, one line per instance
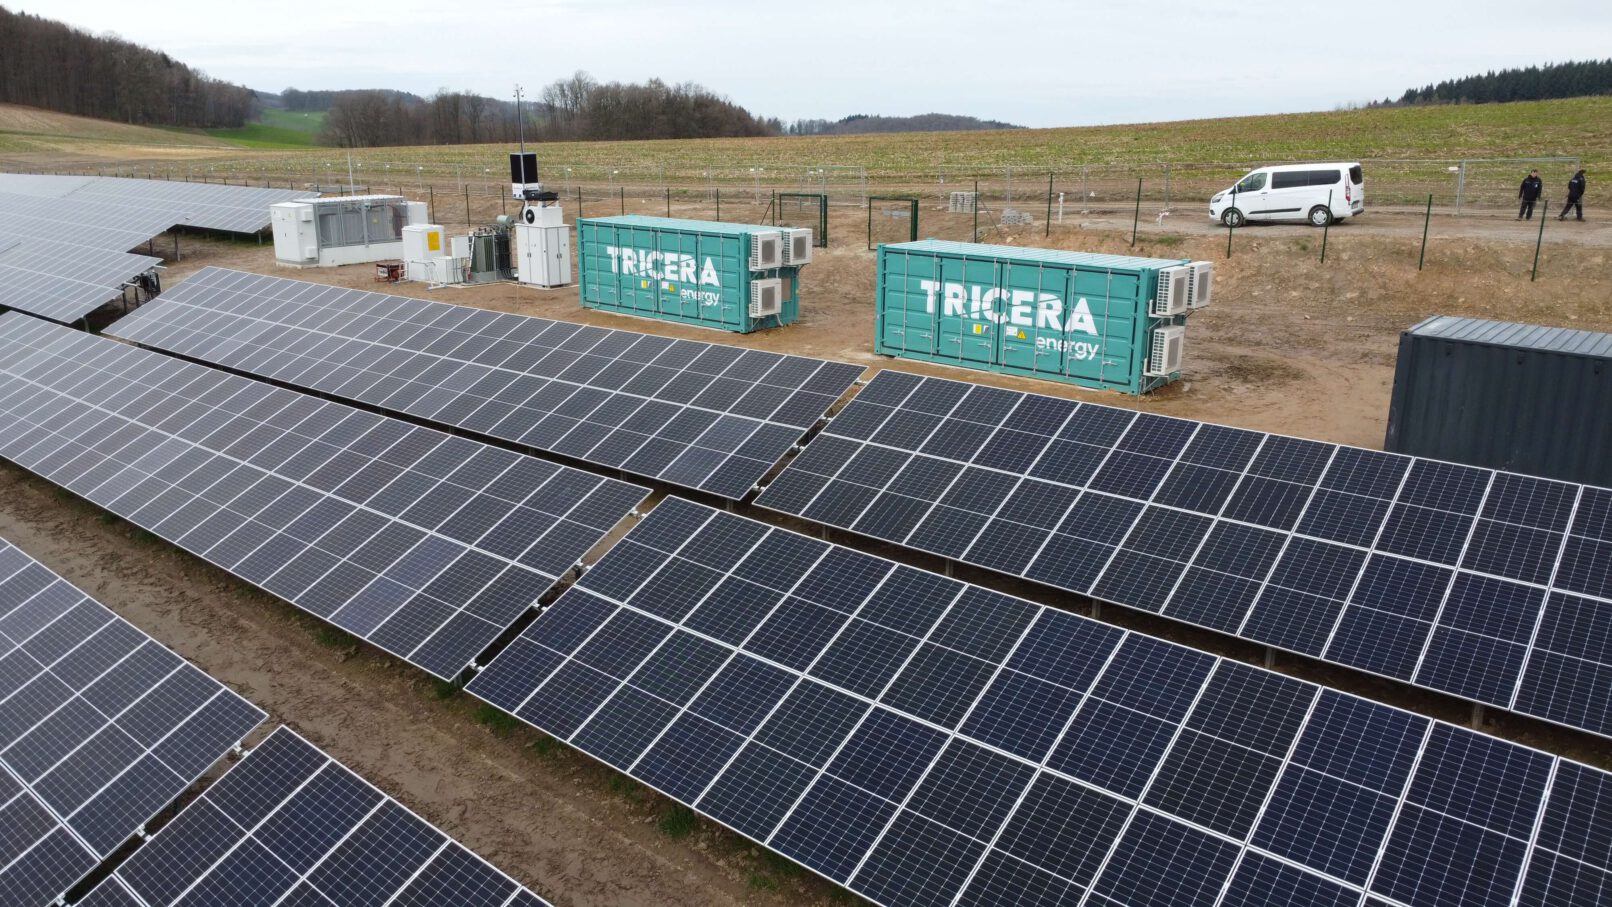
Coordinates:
1233 218
1320 216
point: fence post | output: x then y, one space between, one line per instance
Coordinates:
719 203
622 192
467 206
975 237
579 202
1136 218
1049 205
431 204
1229 227
1326 228
1540 239
870 224
1426 220
668 201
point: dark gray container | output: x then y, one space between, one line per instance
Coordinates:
1518 397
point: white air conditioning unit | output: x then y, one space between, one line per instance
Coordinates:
1203 283
766 251
766 297
798 246
1175 291
1164 357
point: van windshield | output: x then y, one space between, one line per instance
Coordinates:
1253 182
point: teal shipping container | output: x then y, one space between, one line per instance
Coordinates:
1102 321
732 277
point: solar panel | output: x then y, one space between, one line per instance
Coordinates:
101 727
64 282
1488 585
922 741
698 415
289 825
215 206
54 220
426 545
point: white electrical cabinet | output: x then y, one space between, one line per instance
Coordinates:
423 244
342 230
543 248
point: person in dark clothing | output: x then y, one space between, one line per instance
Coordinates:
1575 197
1532 186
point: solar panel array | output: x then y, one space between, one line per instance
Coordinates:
699 415
1492 586
426 545
64 282
64 240
214 206
289 825
53 220
927 742
100 729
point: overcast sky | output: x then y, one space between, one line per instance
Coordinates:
1032 62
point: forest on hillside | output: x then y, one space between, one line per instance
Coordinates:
1532 83
577 108
44 63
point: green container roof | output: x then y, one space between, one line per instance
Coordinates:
1039 256
679 223
1518 336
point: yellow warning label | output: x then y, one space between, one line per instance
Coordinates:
1021 335
433 241
668 288
979 328
643 284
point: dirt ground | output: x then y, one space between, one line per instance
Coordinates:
1291 345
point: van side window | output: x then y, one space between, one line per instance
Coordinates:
1253 182
1290 179
1323 177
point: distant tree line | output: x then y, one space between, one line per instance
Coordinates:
924 122
576 108
1533 83
299 101
49 64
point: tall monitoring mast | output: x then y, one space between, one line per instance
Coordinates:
542 241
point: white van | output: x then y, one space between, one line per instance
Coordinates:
1294 192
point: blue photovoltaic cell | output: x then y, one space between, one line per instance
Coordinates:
289 825
101 728
937 743
424 544
1378 561
704 416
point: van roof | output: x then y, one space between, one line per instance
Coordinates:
1309 165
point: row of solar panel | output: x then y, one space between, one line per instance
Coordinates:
425 545
927 742
1493 586
65 241
101 727
1481 584
922 699
703 416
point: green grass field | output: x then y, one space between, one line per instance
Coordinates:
1580 127
275 129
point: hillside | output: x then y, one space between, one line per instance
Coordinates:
1580 127
26 131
